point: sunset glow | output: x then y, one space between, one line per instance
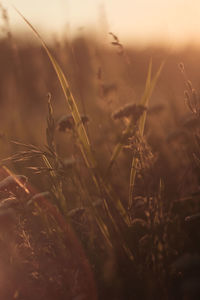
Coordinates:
139 21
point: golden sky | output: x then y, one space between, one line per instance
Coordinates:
135 21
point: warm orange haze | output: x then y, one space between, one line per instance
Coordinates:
173 22
99 150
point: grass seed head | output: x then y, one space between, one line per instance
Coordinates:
129 110
142 151
66 122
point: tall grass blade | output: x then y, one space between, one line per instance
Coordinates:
82 135
84 142
131 125
119 147
149 87
149 90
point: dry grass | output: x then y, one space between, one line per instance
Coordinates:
93 224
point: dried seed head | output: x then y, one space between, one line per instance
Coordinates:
192 98
129 110
114 37
117 44
67 122
142 151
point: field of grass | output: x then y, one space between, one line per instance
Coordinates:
99 190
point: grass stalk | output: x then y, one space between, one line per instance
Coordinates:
84 144
149 87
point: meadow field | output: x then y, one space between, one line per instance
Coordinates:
99 186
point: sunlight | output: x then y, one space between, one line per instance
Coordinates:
139 21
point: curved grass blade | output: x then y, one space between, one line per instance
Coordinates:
82 135
83 138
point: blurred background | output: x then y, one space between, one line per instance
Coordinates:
104 48
173 23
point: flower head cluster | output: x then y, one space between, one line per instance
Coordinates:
130 110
